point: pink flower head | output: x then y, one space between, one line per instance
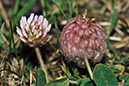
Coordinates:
34 30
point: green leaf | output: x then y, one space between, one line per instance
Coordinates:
56 82
41 81
35 68
83 81
90 83
73 80
123 77
127 82
23 11
114 70
29 65
65 83
103 76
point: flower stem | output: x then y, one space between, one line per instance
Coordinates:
41 63
89 68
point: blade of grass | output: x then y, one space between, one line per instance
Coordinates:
43 2
1 29
52 46
16 7
60 9
11 35
50 66
48 5
77 9
113 22
1 62
57 30
112 48
114 18
23 11
70 9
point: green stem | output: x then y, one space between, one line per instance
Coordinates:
50 66
89 68
11 35
41 63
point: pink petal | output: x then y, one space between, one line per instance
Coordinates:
35 31
23 39
38 41
33 28
40 27
19 32
24 33
31 45
23 22
40 19
45 23
30 18
38 34
46 30
45 33
49 27
30 39
27 27
35 19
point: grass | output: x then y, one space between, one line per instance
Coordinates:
24 69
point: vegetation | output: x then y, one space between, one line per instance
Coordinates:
21 64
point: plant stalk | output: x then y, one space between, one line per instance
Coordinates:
89 68
41 63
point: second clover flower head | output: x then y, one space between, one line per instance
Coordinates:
34 30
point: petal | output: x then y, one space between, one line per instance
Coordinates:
23 22
27 27
38 41
31 45
30 18
30 39
23 39
35 19
33 28
45 23
24 33
49 27
38 34
19 32
46 30
40 19
35 31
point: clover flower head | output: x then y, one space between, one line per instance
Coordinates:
34 30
